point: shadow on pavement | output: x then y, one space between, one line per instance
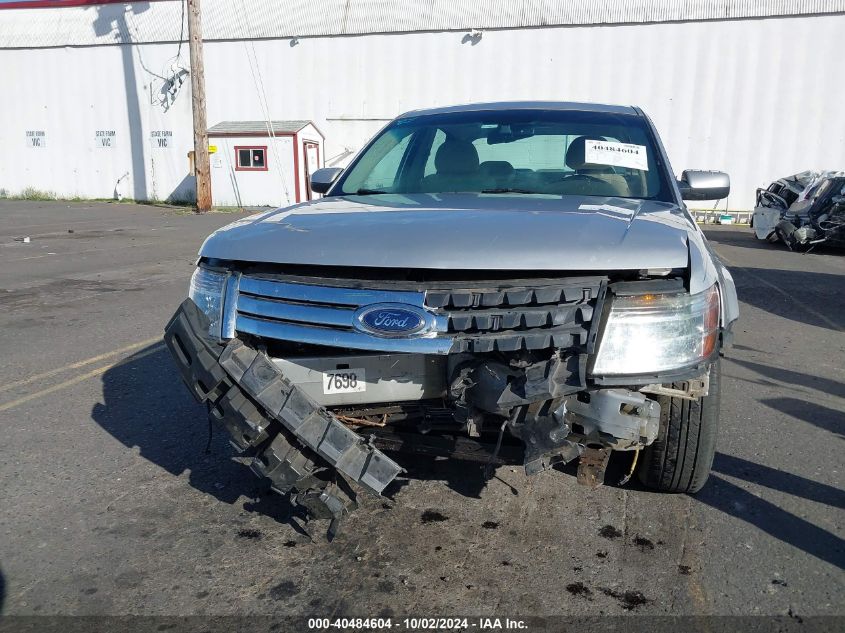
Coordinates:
465 478
741 237
779 480
806 292
791 377
774 521
818 415
146 405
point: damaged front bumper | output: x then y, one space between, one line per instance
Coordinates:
307 449
291 439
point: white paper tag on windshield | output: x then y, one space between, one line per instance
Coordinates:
616 154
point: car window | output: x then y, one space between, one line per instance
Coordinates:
526 152
543 152
384 161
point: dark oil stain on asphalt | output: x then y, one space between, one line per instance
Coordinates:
432 516
490 525
608 531
579 589
643 543
628 600
250 534
284 589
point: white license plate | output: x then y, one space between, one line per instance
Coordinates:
344 381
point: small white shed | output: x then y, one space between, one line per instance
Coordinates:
263 163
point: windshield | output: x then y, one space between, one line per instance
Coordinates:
521 152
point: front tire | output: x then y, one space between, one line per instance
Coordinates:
679 460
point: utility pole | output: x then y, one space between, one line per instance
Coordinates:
202 167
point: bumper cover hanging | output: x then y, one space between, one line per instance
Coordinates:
291 437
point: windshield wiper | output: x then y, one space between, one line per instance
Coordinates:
508 190
369 192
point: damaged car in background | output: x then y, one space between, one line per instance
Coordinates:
486 282
802 210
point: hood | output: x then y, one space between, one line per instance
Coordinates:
463 231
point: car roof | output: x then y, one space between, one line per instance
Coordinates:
525 105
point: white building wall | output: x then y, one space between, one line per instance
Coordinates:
759 98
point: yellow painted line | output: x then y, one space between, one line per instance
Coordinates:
77 365
73 381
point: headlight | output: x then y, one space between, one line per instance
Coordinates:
652 333
207 292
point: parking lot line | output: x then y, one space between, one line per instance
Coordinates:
77 365
72 381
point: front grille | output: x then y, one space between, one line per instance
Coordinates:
489 317
519 317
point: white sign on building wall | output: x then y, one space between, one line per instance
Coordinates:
105 139
161 139
36 139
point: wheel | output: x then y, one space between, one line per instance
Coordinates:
679 460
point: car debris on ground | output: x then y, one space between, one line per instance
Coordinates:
802 210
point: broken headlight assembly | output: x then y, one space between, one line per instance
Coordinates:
647 334
206 291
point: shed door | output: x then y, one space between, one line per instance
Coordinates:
312 164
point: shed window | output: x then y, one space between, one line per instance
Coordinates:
251 158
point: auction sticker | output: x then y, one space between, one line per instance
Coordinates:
616 154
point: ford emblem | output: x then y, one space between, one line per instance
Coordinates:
391 319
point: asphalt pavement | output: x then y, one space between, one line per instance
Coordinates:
109 503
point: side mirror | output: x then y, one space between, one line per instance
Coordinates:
323 179
704 185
